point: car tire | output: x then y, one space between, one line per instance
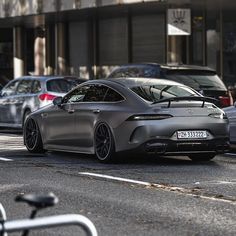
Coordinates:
202 157
32 137
104 144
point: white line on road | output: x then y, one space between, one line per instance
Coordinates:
7 187
115 178
190 192
5 159
231 154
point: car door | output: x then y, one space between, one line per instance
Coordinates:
7 93
60 121
71 127
231 114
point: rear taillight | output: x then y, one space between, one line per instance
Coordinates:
219 116
149 117
46 97
225 101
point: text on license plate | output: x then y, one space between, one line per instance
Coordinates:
192 134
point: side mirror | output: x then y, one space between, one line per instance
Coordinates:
57 101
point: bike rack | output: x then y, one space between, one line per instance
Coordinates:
48 222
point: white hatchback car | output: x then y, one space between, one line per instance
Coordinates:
26 94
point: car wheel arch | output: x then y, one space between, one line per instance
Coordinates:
25 114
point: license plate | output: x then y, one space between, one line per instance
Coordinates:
192 134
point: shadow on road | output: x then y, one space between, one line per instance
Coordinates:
133 160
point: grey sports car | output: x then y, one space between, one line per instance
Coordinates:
106 117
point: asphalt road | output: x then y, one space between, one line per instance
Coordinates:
139 196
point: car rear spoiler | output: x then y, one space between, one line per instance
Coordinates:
187 98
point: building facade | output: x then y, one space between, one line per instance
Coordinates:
89 38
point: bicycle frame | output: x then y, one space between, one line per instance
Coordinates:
48 222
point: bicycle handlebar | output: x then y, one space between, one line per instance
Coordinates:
50 221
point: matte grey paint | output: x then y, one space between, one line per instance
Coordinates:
74 132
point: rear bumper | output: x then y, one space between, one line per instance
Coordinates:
169 147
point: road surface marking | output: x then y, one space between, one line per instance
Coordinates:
5 159
195 192
231 154
7 187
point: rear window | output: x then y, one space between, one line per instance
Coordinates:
155 92
61 85
196 79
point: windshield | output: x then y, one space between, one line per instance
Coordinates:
198 80
153 93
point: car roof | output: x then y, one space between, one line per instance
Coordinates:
132 81
170 66
48 77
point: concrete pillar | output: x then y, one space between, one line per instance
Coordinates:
174 54
18 61
39 51
50 50
60 39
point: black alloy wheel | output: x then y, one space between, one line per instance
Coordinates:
32 136
104 143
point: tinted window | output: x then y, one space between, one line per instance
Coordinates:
199 80
95 93
112 96
24 87
60 85
136 71
76 95
36 87
154 92
10 89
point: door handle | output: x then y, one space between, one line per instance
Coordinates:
71 111
96 111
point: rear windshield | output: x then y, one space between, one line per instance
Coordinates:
153 93
61 85
196 79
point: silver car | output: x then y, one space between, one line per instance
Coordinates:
106 117
231 114
26 94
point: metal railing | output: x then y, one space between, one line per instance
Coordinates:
25 225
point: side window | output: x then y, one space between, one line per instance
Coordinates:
36 87
95 93
10 89
76 95
113 96
24 87
92 93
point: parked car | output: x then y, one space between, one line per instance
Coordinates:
26 94
104 117
231 114
202 79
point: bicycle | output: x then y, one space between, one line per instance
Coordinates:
39 202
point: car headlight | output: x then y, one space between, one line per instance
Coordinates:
149 117
219 115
